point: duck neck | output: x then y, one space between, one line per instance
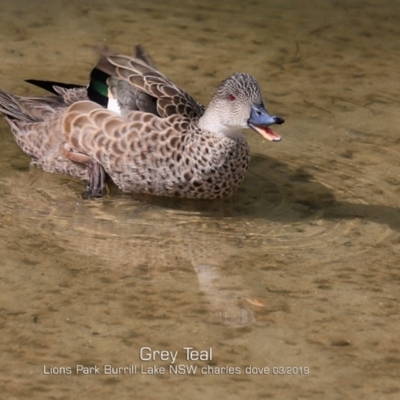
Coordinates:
211 122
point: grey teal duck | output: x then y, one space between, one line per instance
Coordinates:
157 140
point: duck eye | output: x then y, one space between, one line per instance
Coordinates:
232 97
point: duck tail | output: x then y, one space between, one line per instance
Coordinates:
28 109
10 106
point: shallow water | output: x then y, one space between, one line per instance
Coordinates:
298 269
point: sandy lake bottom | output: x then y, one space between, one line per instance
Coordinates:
288 290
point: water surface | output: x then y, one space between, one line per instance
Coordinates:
298 269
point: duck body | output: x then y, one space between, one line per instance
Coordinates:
167 156
173 146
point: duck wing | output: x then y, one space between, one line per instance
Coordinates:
106 89
129 98
170 99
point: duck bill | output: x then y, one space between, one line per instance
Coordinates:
266 133
260 121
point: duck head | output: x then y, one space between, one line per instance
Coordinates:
238 104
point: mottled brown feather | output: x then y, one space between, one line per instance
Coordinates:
155 84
